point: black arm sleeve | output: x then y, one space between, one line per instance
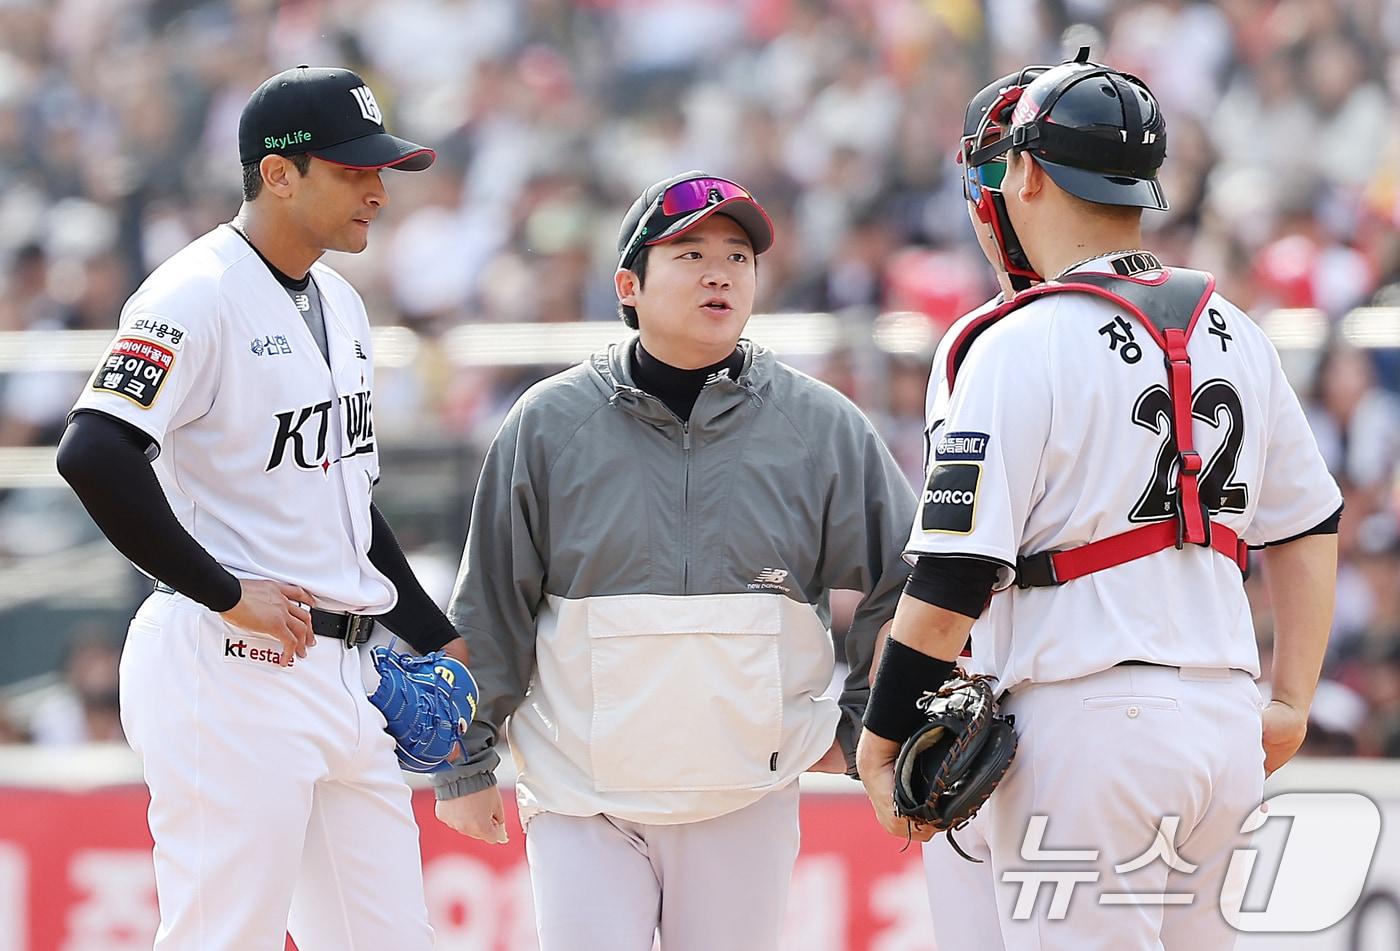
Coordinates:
1328 526
415 618
961 585
104 460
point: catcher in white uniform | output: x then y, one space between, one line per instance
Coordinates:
1086 519
226 445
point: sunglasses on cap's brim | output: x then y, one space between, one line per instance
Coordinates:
676 202
684 198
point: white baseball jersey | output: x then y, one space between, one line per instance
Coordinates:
267 454
1054 437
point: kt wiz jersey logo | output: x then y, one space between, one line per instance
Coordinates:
302 433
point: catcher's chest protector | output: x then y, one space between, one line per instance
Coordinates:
1168 307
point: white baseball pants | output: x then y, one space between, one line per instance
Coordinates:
1106 759
276 800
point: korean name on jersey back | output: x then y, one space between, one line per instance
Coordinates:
302 433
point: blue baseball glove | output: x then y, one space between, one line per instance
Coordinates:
428 703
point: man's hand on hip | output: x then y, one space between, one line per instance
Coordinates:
275 609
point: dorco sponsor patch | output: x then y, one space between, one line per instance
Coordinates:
950 500
257 651
966 447
136 369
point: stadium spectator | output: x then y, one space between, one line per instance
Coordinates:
1283 169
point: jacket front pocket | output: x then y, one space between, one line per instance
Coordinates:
687 692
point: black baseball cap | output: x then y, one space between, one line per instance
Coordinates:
326 112
672 206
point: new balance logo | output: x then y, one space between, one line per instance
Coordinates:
769 579
303 302
359 351
369 108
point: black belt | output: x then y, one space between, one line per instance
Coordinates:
353 629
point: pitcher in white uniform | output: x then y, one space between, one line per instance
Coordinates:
226 445
1114 441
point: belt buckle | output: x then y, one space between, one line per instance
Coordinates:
357 629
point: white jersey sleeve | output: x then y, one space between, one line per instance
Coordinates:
985 457
936 401
937 396
1296 492
161 371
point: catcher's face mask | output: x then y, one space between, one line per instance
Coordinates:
983 171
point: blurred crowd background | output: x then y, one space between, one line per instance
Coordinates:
118 127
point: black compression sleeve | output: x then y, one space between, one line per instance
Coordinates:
104 460
961 585
415 618
1328 526
904 676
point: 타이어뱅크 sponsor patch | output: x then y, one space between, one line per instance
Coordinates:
950 499
136 369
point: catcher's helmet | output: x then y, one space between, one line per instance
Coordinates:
1098 133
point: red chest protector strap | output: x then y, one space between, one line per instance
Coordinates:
1167 307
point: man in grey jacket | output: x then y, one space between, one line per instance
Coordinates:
644 593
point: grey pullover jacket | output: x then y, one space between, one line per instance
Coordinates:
647 601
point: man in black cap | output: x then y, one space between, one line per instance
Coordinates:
226 445
645 590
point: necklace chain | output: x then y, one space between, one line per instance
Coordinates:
1095 257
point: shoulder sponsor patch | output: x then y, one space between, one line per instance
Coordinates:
949 504
158 329
964 447
135 368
